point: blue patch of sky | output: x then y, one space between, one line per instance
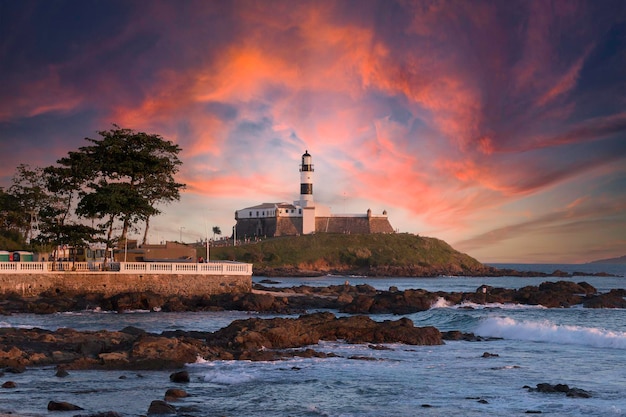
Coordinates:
39 33
604 71
222 111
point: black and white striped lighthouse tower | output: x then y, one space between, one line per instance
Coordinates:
306 181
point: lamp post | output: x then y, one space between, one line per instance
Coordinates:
206 230
181 233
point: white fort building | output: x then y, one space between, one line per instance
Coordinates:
304 216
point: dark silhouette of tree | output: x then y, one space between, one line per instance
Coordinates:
127 173
216 231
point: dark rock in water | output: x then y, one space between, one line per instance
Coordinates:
269 281
578 393
14 370
533 412
62 406
482 401
286 333
181 376
173 394
104 414
61 373
9 384
612 299
161 407
135 331
560 388
490 355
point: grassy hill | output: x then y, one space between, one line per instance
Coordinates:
374 254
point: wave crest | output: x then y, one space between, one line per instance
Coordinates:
546 331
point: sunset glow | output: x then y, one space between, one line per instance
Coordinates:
499 127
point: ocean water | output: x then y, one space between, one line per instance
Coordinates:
584 348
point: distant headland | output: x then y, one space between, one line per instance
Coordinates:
614 261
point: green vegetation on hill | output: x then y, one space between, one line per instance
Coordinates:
371 254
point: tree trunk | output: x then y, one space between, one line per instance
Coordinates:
108 242
145 233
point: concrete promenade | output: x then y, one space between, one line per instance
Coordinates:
166 278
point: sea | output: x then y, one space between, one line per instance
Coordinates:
527 345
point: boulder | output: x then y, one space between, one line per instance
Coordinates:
156 352
161 407
173 394
560 388
181 376
9 384
62 406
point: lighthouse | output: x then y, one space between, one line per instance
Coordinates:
306 181
307 205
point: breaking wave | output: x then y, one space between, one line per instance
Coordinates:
546 331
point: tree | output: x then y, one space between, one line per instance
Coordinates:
11 217
30 191
126 174
216 231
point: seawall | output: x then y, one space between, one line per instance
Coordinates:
111 283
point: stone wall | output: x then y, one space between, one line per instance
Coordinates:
261 227
111 283
353 225
288 226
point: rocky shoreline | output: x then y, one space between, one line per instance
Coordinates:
256 339
251 339
359 299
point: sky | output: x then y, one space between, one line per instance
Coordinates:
497 126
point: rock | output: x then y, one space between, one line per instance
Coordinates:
104 414
154 352
14 369
490 355
62 406
9 384
181 376
61 373
173 394
161 407
560 388
578 393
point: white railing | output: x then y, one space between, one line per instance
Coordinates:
211 268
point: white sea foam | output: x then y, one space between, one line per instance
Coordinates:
507 306
441 303
546 331
228 377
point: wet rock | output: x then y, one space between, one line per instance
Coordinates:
61 373
62 406
180 377
612 299
161 407
578 393
9 384
173 394
560 388
154 352
490 355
